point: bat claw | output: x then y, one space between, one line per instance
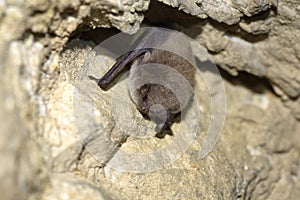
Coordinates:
94 78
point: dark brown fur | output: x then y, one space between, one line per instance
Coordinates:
149 94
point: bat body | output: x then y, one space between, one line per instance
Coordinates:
160 81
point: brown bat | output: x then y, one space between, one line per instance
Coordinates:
146 96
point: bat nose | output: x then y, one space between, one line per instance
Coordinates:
160 127
158 114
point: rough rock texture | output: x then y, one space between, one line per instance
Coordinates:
229 12
257 156
263 147
265 44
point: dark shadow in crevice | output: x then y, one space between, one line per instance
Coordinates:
162 15
158 15
258 85
258 17
97 35
236 31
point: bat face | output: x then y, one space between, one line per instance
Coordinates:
158 81
158 103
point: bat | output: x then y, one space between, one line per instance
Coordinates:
156 100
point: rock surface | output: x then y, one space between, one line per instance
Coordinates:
42 155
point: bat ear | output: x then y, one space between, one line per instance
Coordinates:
162 118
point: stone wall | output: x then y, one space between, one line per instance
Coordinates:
43 47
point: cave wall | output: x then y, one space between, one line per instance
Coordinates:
257 156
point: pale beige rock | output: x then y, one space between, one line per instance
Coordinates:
69 187
257 156
124 15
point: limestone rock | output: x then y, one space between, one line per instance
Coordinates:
44 157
